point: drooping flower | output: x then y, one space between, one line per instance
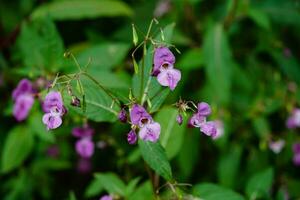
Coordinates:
54 110
196 120
122 116
169 77
276 146
85 147
23 97
294 120
204 109
296 150
179 119
150 132
85 131
106 197
23 106
139 116
162 55
131 137
209 129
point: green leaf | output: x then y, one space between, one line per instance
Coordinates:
155 157
144 192
72 196
209 191
94 188
103 56
261 126
217 60
229 165
158 99
40 47
131 186
260 184
17 147
77 9
191 59
100 106
111 183
135 37
260 18
172 133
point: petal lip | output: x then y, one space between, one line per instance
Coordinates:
150 132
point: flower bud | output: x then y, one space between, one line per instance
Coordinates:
131 137
122 116
75 102
179 119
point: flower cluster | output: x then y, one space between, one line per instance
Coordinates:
149 130
198 120
54 110
294 120
84 145
163 68
23 96
296 150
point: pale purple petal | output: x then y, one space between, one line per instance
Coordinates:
209 129
220 129
162 55
85 147
169 77
52 120
150 132
81 132
106 197
204 109
53 100
296 148
22 106
296 159
276 146
139 116
179 119
24 87
290 123
196 120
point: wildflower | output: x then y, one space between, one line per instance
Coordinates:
162 55
54 110
139 116
296 150
276 146
150 132
169 77
85 147
204 109
131 137
220 129
122 116
106 197
23 97
209 129
294 120
179 119
85 131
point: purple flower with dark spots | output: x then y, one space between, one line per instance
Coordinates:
83 132
53 100
296 150
22 106
209 129
179 119
169 77
106 197
52 120
162 55
122 116
294 120
85 147
150 132
196 120
24 87
204 109
139 116
131 137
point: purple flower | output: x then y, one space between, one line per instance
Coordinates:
85 147
150 132
296 150
24 87
84 165
131 137
209 129
85 131
294 120
122 116
196 120
53 100
204 109
162 55
276 146
106 197
179 119
220 129
139 116
52 120
169 77
22 106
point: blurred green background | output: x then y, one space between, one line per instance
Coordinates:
241 56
